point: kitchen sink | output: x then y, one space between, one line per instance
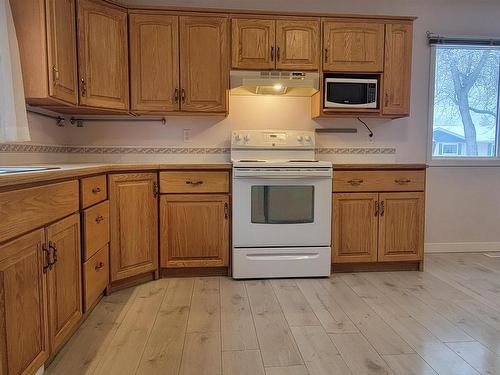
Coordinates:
6 170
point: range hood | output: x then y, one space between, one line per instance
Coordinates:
275 82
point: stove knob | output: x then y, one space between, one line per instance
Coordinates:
300 138
237 138
308 139
246 138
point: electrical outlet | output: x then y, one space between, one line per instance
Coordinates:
186 135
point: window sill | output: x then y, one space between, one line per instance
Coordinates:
464 162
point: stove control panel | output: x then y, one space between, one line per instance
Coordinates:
289 139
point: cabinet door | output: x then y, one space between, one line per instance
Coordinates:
64 279
297 44
401 226
154 62
103 55
24 346
353 46
397 69
61 45
253 43
194 230
204 60
134 224
355 226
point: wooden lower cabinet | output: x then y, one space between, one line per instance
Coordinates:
355 227
401 226
194 230
378 227
133 225
64 279
24 343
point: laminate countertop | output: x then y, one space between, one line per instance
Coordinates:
77 170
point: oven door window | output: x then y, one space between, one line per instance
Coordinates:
282 204
347 93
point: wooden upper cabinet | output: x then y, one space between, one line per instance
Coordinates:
355 46
355 227
397 70
103 55
204 63
24 346
401 236
61 44
297 44
134 224
154 62
64 279
253 43
194 230
46 33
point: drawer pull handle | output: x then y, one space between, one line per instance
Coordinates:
99 265
355 182
376 208
402 181
99 218
194 182
96 190
382 208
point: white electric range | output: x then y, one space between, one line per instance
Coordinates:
281 205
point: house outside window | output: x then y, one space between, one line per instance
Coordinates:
464 105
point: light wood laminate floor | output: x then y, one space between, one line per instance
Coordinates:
445 320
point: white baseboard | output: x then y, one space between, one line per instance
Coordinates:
461 247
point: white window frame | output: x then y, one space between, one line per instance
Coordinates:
437 161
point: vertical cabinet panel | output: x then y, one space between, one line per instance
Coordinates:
253 43
24 346
64 279
194 230
297 44
61 45
397 70
154 62
134 224
355 226
103 55
401 234
353 46
204 63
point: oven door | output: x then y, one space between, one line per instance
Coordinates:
282 208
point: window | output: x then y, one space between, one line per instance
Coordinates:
465 107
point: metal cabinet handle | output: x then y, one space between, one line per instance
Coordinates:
402 181
183 95
226 211
272 53
355 182
278 55
386 99
156 190
96 190
83 87
194 182
326 55
376 208
52 246
98 219
47 263
176 95
99 265
382 208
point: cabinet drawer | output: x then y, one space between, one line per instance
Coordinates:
95 276
194 182
345 181
96 228
93 190
27 209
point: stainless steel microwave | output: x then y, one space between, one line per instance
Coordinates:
351 92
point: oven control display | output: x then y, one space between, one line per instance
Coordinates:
275 138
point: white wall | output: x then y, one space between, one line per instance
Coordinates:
462 203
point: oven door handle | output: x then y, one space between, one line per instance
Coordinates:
282 175
278 256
